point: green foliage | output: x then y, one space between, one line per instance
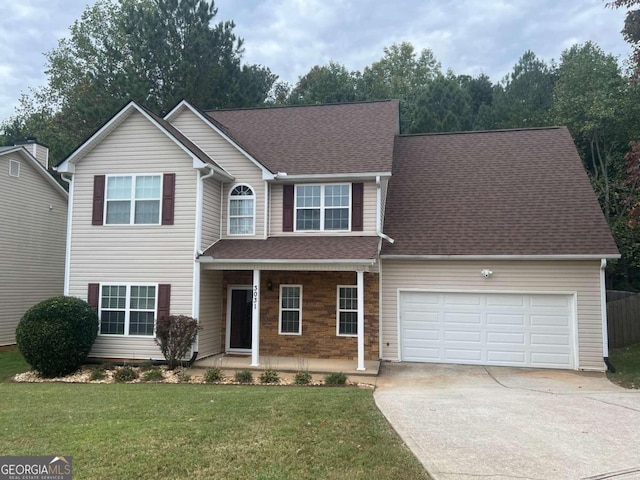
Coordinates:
336 378
153 375
12 362
302 378
174 335
244 376
214 374
56 335
184 378
97 373
125 374
331 83
269 376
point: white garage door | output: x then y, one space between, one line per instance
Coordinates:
487 329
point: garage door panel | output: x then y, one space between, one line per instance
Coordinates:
505 338
462 355
498 357
462 336
505 319
460 317
487 329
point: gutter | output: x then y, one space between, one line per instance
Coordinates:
67 248
603 309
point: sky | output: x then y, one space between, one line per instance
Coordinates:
291 36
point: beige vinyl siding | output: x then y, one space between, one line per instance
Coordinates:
130 254
369 212
228 157
581 277
210 339
210 212
32 242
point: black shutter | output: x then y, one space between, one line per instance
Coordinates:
98 200
287 208
357 207
168 197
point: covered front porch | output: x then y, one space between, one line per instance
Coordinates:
281 310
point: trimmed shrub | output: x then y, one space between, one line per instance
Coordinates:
56 335
302 378
174 335
125 374
336 378
244 376
214 374
269 376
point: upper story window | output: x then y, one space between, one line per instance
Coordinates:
241 210
322 207
133 199
14 168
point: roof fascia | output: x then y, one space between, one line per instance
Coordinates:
39 167
501 257
319 177
208 259
266 173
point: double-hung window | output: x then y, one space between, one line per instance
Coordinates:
241 210
291 309
127 309
347 321
323 207
133 199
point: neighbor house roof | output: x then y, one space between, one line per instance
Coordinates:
316 139
313 248
509 192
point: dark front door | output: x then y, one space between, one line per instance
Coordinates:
240 321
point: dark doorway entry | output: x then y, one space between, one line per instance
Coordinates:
240 318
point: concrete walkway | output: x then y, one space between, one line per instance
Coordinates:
469 422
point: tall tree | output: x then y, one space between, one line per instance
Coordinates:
631 30
153 51
330 83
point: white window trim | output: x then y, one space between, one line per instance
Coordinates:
280 332
322 206
253 223
127 310
338 310
12 166
132 199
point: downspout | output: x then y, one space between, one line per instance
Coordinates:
195 295
603 307
379 212
67 250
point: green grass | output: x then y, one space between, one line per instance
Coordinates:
626 361
11 362
151 431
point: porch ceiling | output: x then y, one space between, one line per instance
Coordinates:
319 250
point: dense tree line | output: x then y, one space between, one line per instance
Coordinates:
160 51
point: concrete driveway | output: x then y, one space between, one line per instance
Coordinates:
469 422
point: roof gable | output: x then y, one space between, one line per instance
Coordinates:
347 138
200 159
513 192
5 151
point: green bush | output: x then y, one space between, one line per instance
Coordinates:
125 374
153 375
302 378
97 373
56 335
269 376
212 375
174 335
244 376
336 378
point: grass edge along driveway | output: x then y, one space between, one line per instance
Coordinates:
154 431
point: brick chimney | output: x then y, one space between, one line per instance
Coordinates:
38 150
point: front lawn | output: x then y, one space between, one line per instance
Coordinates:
626 361
155 431
11 362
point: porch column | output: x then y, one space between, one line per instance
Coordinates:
255 320
360 283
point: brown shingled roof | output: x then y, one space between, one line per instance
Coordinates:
296 248
513 192
316 139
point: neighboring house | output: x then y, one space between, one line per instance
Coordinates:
33 221
319 231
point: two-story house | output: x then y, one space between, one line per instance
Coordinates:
33 222
319 231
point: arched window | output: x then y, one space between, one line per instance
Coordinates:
241 210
